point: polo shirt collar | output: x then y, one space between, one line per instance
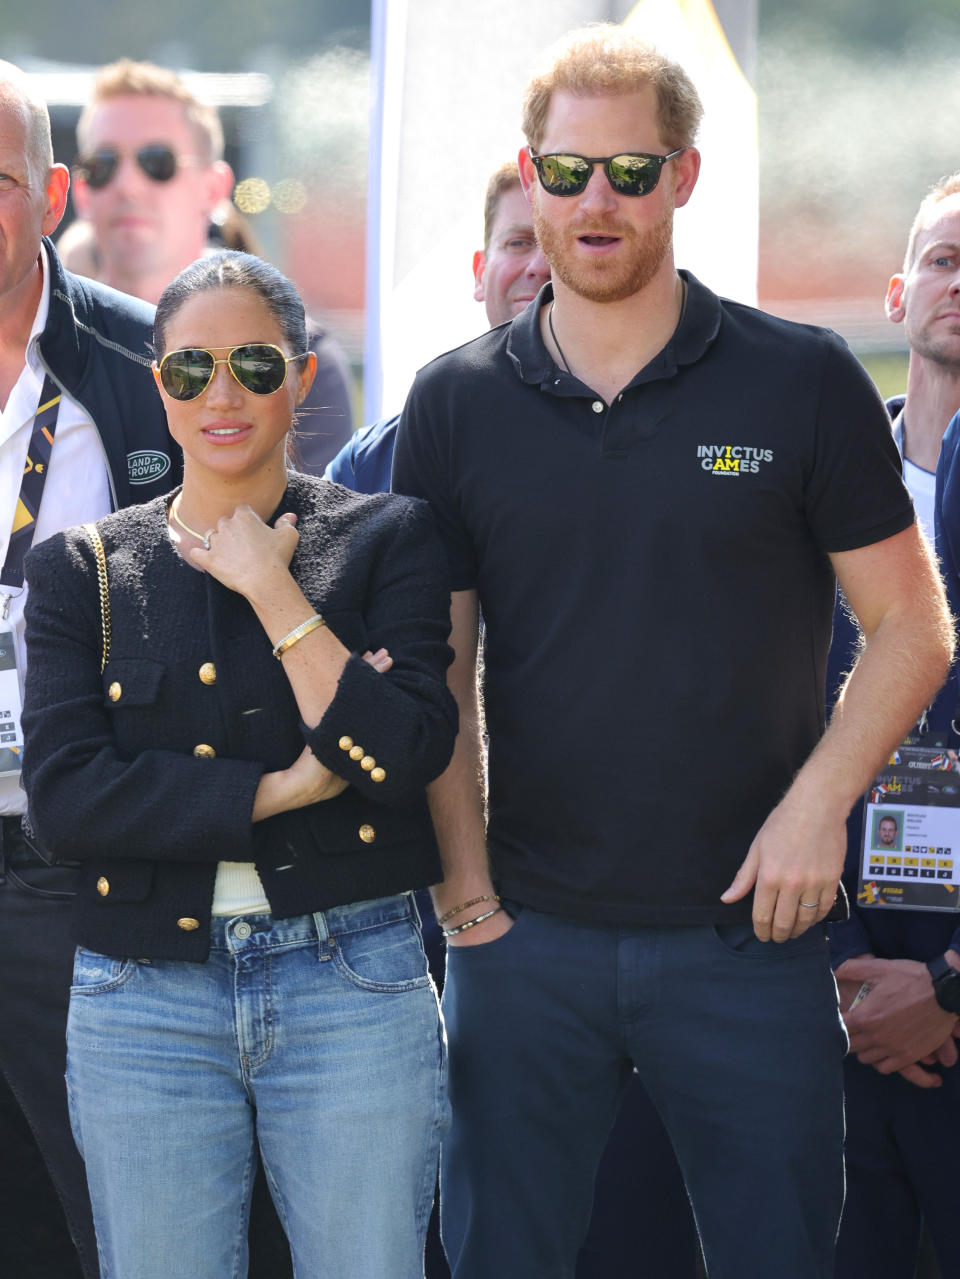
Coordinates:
698 328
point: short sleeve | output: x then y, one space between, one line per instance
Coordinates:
424 465
855 494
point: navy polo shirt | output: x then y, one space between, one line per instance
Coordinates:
654 580
365 461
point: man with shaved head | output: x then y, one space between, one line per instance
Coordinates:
902 1077
82 432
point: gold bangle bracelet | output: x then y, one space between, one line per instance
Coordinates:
474 901
298 632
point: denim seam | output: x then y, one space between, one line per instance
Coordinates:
440 1126
244 1222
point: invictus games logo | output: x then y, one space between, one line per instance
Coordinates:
732 459
145 466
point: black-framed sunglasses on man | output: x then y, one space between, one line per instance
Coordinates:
158 161
631 173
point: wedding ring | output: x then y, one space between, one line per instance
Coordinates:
810 905
206 539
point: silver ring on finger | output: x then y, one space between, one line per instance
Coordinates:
810 905
206 539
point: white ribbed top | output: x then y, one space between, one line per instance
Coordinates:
238 891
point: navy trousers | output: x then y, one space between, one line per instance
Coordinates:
901 1152
738 1043
36 961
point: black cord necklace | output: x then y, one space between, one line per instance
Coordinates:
556 341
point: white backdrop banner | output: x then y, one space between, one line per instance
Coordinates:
447 86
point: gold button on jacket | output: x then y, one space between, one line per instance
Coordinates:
357 752
203 751
367 763
114 691
345 743
103 886
208 673
367 834
188 924
378 774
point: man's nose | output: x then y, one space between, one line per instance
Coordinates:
598 193
128 176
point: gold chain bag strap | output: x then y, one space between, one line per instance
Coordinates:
104 587
93 533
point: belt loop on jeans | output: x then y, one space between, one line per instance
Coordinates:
320 924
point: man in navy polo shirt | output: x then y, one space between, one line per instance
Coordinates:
651 493
508 273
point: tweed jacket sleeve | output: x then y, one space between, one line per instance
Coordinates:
391 735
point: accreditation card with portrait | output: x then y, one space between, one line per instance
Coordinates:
910 854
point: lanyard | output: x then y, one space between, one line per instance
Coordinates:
31 491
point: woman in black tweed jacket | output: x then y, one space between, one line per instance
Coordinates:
244 785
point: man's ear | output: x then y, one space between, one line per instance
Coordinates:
479 263
687 172
528 174
894 303
57 186
220 183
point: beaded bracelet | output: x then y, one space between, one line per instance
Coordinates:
474 901
471 923
298 632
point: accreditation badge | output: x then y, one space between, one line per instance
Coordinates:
910 852
11 731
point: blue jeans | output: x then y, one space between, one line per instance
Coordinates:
738 1043
318 1038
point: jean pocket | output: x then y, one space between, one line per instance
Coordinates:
387 957
95 974
35 879
740 941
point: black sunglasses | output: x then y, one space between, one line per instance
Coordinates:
158 161
259 367
633 173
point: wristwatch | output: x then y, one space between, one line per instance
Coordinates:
946 984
